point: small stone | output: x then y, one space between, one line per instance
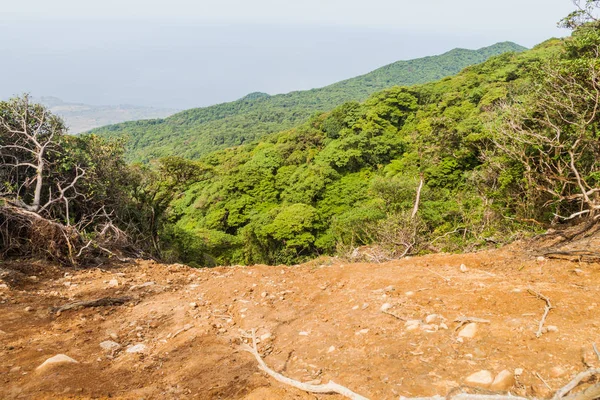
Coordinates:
264 294
56 360
113 335
409 294
15 369
430 318
481 379
390 289
443 326
589 358
503 381
385 307
331 349
412 325
431 328
33 278
193 305
138 348
266 336
29 309
552 328
518 371
113 283
362 332
557 372
541 259
463 268
109 345
303 333
469 331
355 308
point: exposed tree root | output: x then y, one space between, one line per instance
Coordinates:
330 387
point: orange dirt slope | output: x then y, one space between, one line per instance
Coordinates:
317 322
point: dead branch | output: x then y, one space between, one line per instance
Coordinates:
393 315
561 393
418 198
547 309
330 387
103 302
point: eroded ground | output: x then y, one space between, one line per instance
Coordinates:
324 321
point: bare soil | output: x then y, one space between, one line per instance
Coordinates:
324 318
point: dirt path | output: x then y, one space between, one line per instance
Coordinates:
317 322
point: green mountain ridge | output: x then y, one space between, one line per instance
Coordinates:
196 132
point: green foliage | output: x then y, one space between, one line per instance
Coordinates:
197 132
349 177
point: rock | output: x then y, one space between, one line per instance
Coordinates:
589 357
355 308
503 381
56 360
552 328
430 318
541 259
264 294
15 369
412 325
463 268
362 332
138 348
109 345
409 294
331 349
481 379
266 336
303 333
443 326
385 307
557 372
541 391
33 278
390 289
29 309
113 283
469 331
518 371
193 305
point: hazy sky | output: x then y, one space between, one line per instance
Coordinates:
185 53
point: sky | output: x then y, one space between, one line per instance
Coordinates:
191 53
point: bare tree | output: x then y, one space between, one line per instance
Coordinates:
586 12
554 136
28 134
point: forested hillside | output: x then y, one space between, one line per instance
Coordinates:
503 149
197 132
444 166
